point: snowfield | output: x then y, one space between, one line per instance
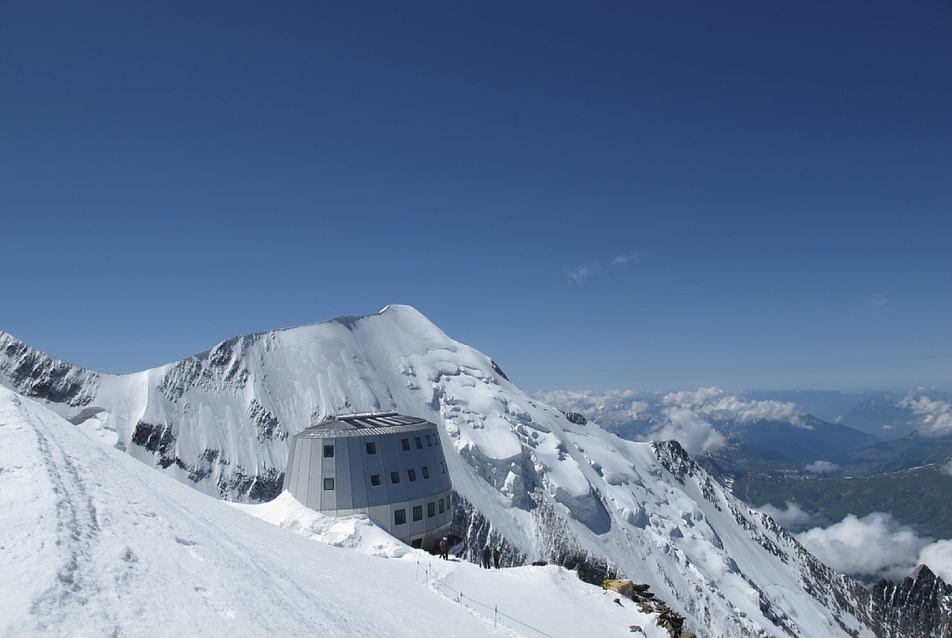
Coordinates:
94 543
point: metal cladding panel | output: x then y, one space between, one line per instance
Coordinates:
315 473
359 484
382 516
342 491
328 497
302 468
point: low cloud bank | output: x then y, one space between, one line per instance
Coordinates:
821 467
876 546
933 417
792 517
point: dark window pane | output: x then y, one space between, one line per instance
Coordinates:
371 447
399 517
411 474
441 506
429 443
394 477
430 510
328 451
419 443
426 472
328 484
406 444
418 512
375 480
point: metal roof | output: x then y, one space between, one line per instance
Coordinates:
365 424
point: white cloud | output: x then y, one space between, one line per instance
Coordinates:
879 300
792 518
934 418
695 434
624 259
821 467
938 556
714 403
947 468
579 274
868 548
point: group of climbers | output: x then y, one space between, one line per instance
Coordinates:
483 556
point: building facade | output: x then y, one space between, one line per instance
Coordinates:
383 464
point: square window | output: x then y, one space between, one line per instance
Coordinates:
429 442
371 447
406 444
328 484
411 474
375 480
399 517
419 443
430 510
426 472
394 477
441 506
328 451
418 512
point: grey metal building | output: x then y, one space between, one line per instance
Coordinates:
383 464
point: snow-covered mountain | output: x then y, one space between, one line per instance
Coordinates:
545 487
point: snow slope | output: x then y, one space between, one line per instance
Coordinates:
93 543
528 478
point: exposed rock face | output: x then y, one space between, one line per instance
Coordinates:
921 605
37 375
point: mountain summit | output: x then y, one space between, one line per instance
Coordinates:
544 487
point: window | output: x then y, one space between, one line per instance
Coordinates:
419 443
375 480
411 474
406 444
418 512
430 510
426 472
443 467
328 484
441 506
328 451
429 441
371 447
400 517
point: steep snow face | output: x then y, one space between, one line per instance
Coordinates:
553 489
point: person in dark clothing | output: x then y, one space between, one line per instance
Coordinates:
496 555
444 548
485 554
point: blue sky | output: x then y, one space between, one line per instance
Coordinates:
636 195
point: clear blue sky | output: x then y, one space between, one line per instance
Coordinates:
638 195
